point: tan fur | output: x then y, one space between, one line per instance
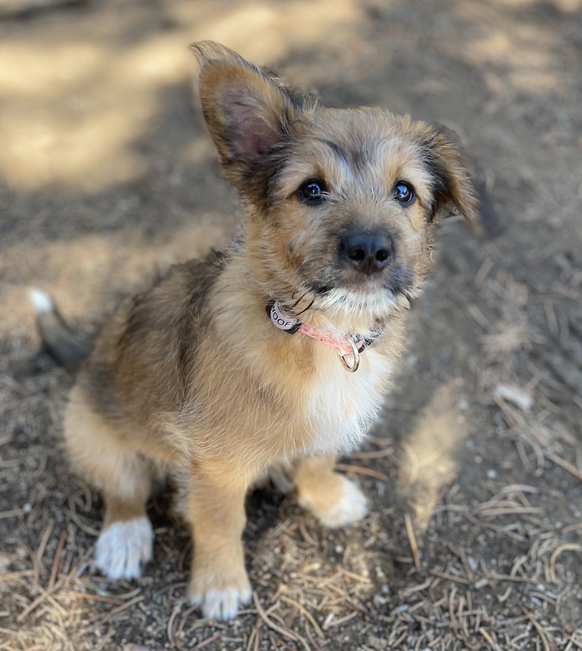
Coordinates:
193 375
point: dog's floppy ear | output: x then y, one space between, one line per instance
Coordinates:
450 178
247 113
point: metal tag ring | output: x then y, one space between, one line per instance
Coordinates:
354 367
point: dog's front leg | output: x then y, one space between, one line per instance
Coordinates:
332 498
219 582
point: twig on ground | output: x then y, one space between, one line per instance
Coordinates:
360 470
207 641
307 614
574 547
412 540
271 624
306 535
540 631
375 454
566 465
57 559
450 577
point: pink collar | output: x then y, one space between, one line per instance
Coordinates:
344 347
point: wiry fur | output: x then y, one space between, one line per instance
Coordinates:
193 375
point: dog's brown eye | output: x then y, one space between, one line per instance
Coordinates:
312 191
404 193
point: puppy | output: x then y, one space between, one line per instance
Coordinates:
275 352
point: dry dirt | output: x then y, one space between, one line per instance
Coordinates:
474 539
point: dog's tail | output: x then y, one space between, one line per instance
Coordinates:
58 339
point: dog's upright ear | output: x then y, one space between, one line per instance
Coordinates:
450 178
247 113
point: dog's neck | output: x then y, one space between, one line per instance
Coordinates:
341 343
334 320
347 347
317 312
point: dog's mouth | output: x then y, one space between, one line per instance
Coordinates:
360 299
398 283
372 298
343 293
364 289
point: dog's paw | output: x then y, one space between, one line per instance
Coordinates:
123 546
218 596
221 604
351 506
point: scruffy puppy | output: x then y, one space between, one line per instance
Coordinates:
277 350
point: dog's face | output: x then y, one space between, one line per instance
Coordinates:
342 201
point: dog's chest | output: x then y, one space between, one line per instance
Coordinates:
342 404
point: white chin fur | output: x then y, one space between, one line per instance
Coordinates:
123 547
358 304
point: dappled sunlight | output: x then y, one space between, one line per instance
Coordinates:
74 116
519 49
282 28
88 153
29 72
431 453
517 46
522 49
87 274
74 106
77 101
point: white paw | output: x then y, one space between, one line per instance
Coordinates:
221 604
123 547
351 507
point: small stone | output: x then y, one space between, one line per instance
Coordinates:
378 643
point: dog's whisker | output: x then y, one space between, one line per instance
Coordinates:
307 308
299 300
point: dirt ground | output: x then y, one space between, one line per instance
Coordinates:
474 470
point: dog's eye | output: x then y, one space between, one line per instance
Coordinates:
404 193
312 191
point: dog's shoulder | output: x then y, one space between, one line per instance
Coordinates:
175 301
149 346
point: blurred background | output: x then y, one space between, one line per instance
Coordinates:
474 472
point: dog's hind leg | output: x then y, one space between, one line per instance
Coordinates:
124 478
333 499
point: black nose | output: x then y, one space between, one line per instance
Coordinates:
367 252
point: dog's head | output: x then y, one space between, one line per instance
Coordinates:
341 202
